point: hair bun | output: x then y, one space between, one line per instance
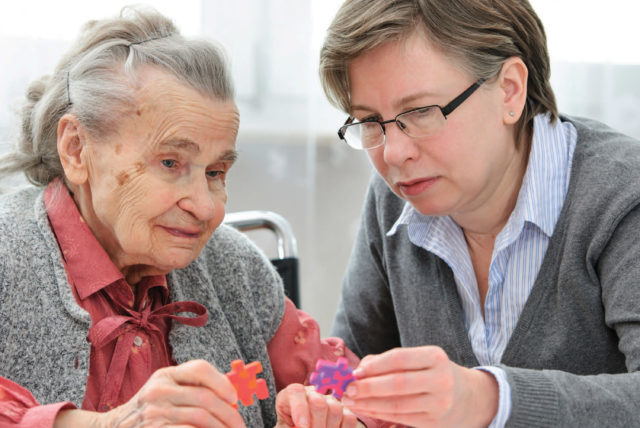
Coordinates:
37 88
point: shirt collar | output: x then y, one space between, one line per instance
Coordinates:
546 179
88 264
409 216
543 187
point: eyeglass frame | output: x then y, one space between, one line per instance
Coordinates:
446 111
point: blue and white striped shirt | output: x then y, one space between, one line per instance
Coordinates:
517 254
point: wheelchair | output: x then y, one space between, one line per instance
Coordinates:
286 262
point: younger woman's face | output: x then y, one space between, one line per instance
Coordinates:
463 166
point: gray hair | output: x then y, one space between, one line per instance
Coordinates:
94 81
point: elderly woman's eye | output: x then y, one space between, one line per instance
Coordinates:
169 163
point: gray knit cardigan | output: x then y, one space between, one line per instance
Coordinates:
573 358
43 331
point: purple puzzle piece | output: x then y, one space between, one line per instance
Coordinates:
332 377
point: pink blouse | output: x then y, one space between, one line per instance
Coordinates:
129 331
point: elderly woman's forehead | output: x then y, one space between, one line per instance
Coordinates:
161 91
151 80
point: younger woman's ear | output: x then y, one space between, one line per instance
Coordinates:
513 82
71 145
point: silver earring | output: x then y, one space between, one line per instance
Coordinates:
511 114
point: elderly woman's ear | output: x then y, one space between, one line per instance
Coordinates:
72 148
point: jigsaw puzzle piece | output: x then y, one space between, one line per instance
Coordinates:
332 377
244 380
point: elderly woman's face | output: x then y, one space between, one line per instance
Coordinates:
156 187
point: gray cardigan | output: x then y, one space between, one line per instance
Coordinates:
573 358
43 331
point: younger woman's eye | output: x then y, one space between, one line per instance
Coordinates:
169 163
214 174
374 118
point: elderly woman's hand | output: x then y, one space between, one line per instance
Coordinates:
190 394
421 387
193 394
303 407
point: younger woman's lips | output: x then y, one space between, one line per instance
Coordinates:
415 187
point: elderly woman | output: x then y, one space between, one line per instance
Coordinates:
120 292
495 272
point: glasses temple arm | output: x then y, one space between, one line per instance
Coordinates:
346 122
446 110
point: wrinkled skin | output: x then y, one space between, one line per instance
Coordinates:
302 407
153 191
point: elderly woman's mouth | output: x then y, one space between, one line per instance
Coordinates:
183 232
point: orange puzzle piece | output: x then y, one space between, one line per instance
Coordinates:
244 380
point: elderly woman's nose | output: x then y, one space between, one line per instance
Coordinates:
398 146
199 200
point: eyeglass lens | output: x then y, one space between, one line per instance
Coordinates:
416 123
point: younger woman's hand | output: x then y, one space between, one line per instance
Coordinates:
421 387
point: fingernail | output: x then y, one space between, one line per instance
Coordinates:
357 373
303 422
351 390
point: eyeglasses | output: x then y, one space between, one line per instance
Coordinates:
416 123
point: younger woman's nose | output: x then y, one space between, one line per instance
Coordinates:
398 146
